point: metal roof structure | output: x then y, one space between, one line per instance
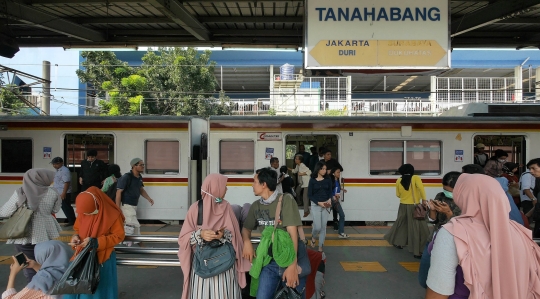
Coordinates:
239 23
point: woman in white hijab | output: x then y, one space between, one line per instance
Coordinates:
44 200
52 260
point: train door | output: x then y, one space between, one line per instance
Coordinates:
514 145
294 142
75 148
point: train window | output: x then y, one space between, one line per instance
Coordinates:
16 155
425 156
236 157
386 156
162 157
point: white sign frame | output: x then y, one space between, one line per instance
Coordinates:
309 45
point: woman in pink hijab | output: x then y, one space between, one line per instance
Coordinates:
482 254
219 222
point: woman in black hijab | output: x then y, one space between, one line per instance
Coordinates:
408 231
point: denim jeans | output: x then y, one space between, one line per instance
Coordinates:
270 280
339 210
320 220
425 263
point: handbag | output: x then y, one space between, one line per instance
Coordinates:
286 292
420 211
212 258
17 225
82 275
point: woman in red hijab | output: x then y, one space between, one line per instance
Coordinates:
219 223
99 218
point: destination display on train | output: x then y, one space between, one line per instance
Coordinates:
383 34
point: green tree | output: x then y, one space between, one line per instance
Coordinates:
9 101
170 81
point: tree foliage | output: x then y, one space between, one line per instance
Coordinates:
9 102
170 81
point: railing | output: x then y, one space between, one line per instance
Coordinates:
158 262
393 107
250 106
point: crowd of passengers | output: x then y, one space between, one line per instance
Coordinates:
481 245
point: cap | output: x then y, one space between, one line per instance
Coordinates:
57 160
480 145
135 161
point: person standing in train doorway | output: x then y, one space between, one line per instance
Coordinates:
480 157
92 171
129 188
62 184
274 165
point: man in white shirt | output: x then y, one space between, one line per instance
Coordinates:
526 186
62 184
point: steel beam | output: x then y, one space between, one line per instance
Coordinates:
490 14
176 12
38 18
520 21
256 32
288 20
113 20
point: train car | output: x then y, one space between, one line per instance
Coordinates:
170 147
179 151
370 149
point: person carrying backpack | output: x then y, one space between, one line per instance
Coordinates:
129 188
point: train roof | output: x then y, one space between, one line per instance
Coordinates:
374 119
100 119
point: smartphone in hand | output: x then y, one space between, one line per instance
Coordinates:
21 259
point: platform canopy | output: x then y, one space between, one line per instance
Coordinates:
240 23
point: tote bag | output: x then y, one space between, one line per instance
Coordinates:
17 225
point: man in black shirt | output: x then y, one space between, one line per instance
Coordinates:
92 171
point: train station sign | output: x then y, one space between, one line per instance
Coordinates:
383 34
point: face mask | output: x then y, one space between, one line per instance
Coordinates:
502 161
448 194
216 199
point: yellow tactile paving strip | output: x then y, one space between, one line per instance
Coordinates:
362 267
411 266
6 260
356 243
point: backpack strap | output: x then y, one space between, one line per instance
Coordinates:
200 213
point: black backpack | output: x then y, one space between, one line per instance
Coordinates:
111 192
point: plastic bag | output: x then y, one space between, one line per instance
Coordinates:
82 275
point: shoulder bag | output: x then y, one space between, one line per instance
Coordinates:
212 258
420 210
17 225
82 275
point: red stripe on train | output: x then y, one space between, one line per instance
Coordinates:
11 178
387 181
240 180
98 125
152 180
165 180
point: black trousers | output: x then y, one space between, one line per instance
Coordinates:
28 250
68 209
527 205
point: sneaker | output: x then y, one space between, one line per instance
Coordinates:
343 236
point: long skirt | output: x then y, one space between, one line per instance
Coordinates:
221 286
108 282
408 231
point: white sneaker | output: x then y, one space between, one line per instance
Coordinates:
343 236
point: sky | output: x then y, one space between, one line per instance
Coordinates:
63 67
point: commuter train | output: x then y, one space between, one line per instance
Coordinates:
180 151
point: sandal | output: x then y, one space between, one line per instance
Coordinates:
312 243
321 248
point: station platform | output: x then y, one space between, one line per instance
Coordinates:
363 266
